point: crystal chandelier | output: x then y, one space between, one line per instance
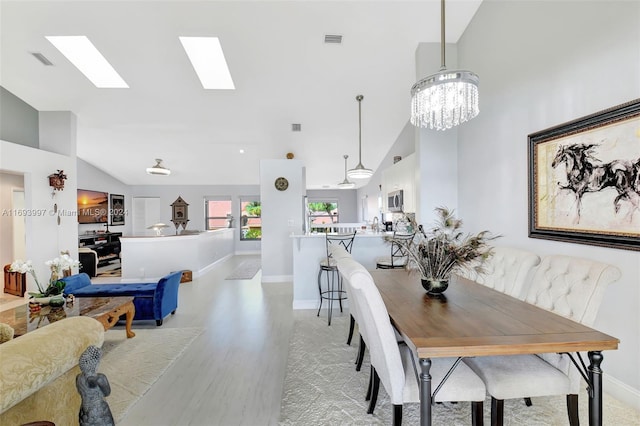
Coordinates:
447 98
345 184
359 172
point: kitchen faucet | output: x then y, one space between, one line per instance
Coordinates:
374 226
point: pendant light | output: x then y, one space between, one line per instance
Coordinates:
447 98
359 172
345 184
158 169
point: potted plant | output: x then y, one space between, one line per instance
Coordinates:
444 249
55 286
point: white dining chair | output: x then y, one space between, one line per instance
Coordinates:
355 317
395 365
571 287
336 252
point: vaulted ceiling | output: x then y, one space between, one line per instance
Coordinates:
283 72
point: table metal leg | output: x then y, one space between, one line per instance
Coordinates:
425 392
595 396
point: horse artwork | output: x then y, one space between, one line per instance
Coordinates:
584 179
585 174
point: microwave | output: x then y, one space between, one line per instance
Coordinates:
395 202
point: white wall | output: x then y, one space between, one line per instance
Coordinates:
8 183
437 151
542 64
94 179
368 194
45 238
195 196
282 215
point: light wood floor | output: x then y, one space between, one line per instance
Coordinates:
233 373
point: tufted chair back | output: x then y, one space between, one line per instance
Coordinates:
574 288
571 286
507 270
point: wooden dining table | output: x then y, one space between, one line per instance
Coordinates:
469 320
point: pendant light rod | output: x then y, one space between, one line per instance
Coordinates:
360 172
345 184
359 98
442 37
345 166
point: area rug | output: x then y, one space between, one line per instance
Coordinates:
245 270
133 365
117 272
322 387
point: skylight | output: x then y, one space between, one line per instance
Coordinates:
207 58
83 55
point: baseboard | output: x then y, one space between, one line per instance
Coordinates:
247 252
621 391
210 266
277 278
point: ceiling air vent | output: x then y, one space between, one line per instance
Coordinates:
39 56
333 38
296 127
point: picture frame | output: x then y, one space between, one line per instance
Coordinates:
180 213
584 179
117 210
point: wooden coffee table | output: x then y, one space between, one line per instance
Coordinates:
107 310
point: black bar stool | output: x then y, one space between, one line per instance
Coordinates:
398 258
333 290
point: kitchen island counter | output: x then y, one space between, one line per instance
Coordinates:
309 249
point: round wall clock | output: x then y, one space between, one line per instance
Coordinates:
281 184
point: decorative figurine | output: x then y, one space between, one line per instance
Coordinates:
93 387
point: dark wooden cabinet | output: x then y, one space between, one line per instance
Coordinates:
14 282
106 245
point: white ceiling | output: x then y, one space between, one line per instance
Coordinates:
282 70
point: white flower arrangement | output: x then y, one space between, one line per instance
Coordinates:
61 263
57 266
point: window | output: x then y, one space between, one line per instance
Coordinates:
250 218
217 212
323 211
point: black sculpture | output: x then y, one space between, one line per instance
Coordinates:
93 388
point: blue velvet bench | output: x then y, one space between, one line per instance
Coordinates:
153 300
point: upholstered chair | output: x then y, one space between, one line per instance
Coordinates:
355 316
571 287
395 365
337 252
507 270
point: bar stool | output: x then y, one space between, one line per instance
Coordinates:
398 258
328 265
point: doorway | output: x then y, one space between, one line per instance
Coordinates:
12 227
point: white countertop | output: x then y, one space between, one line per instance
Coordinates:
359 234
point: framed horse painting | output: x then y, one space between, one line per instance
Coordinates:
584 179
